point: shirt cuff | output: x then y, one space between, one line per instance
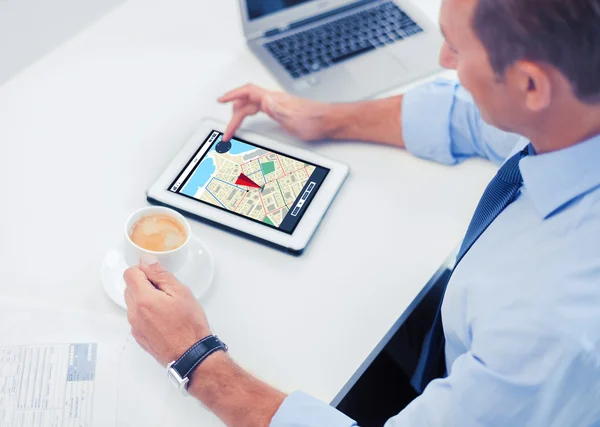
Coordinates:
426 114
300 409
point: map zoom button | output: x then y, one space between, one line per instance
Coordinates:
308 190
223 147
295 213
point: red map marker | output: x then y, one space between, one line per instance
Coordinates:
246 182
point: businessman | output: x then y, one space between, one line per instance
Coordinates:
516 341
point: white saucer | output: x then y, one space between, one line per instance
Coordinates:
197 273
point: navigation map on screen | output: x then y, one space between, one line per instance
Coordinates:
251 181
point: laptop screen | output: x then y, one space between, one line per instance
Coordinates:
260 8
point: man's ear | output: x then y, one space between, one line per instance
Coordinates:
533 83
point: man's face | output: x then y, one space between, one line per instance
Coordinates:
462 51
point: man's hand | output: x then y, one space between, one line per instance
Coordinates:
372 121
166 320
302 118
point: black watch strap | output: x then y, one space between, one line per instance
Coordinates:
196 354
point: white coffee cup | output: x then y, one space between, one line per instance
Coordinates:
172 260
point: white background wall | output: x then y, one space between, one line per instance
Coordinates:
29 29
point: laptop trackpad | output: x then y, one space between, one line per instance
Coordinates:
374 67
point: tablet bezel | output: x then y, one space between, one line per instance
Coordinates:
296 242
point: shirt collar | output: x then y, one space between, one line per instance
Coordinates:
556 178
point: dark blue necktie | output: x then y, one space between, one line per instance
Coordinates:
500 193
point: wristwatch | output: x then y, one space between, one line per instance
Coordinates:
179 370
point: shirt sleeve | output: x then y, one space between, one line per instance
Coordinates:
300 409
516 374
441 122
513 377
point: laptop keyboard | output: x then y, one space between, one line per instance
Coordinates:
312 50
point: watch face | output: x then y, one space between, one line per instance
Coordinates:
184 386
173 379
180 383
174 375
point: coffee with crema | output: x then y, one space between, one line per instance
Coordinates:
158 233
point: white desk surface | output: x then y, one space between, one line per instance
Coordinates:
86 130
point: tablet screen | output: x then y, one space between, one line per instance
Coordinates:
251 181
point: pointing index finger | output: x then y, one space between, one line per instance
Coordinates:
234 124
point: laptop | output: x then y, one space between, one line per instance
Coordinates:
341 50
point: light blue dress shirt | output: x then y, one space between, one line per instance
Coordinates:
521 313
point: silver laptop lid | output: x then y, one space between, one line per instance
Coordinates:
260 16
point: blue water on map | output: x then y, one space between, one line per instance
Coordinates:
207 167
237 147
200 177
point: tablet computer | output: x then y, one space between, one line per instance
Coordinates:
253 185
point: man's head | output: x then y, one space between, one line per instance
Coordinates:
524 59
